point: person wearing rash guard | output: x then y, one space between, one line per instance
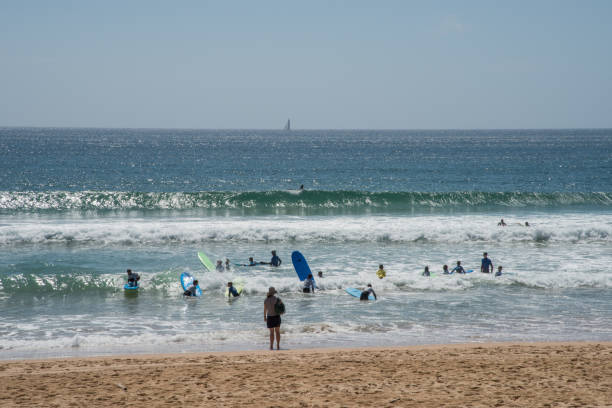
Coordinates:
458 268
486 266
192 289
309 284
275 261
219 266
232 290
366 293
499 271
227 264
445 270
251 262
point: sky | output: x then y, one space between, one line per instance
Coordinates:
324 64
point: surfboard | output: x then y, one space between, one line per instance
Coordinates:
206 262
130 288
187 280
301 266
357 293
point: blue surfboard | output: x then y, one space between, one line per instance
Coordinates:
187 280
131 288
357 293
301 266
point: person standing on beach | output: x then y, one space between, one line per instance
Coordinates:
272 319
486 265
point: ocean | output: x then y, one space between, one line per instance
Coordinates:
80 206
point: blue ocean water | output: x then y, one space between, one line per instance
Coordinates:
80 206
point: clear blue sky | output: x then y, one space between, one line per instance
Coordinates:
324 64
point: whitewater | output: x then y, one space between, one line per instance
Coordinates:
80 206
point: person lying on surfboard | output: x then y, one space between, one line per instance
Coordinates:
445 270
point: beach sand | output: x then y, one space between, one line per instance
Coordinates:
471 375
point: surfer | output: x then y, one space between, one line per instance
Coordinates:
232 290
458 268
366 293
219 266
426 271
486 265
381 272
192 289
445 270
227 264
133 278
272 319
275 261
320 274
501 223
309 284
302 187
499 271
251 262
527 224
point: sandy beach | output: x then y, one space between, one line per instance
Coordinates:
472 375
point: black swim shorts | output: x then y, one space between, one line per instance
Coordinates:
273 321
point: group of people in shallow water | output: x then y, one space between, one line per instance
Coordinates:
272 311
486 266
502 223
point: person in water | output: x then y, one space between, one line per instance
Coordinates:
527 224
426 271
192 289
499 271
458 268
501 223
309 285
133 278
381 272
320 274
366 293
486 265
275 261
219 266
251 262
445 270
227 264
302 187
232 290
272 319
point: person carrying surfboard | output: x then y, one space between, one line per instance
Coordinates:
309 285
366 293
232 290
381 272
192 289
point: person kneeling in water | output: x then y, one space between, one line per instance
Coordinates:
309 284
232 290
133 278
366 293
192 289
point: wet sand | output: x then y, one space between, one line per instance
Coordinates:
471 375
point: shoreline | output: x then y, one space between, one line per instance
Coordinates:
469 374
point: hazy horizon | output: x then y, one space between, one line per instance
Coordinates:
325 65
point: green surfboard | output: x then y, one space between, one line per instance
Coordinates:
206 262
